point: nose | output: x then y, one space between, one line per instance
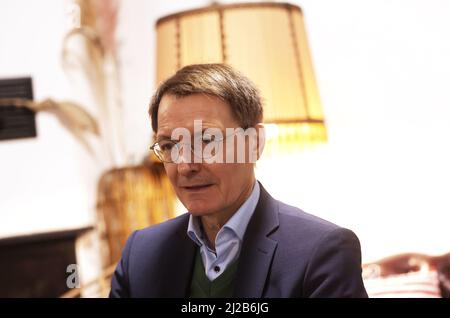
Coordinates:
185 166
188 169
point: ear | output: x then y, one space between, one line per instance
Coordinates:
261 140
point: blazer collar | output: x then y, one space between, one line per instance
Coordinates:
257 249
178 282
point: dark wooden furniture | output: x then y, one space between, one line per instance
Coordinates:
35 265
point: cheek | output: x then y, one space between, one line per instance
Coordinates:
230 176
220 171
171 172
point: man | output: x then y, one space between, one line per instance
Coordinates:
236 240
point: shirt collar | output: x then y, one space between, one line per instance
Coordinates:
237 223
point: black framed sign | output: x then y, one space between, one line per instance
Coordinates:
16 122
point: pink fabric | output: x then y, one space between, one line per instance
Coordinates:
410 285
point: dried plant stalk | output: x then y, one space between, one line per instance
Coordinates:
98 21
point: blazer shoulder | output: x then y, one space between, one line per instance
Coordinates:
302 220
300 226
162 231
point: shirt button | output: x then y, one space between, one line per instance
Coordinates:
216 269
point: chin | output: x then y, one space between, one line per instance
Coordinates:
197 209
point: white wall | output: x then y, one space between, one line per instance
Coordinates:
46 183
383 71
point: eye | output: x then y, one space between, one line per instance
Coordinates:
206 139
166 145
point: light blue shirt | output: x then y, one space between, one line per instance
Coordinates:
228 240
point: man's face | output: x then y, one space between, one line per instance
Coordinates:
204 188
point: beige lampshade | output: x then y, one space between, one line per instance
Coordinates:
267 42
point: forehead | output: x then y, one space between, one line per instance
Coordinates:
175 112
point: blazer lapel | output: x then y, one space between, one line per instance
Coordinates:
182 255
258 249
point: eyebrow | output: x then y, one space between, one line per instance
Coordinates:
162 137
166 137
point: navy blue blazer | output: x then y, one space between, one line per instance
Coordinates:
285 253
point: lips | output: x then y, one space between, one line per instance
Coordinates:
195 188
